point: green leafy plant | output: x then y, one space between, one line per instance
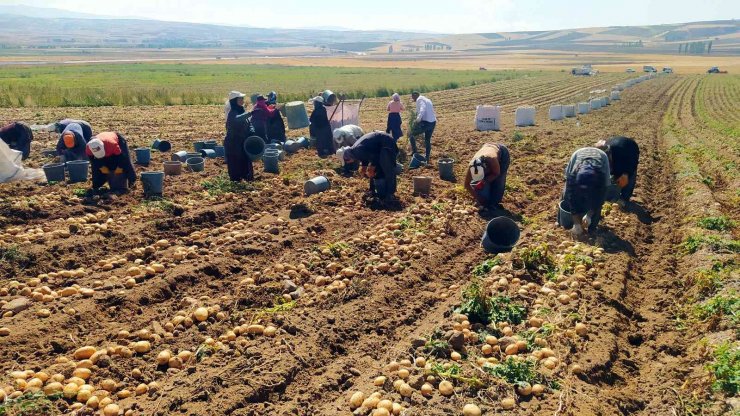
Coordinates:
516 372
537 259
337 248
721 306
725 368
484 268
571 260
79 192
203 351
717 244
222 184
720 223
518 136
454 372
436 346
529 335
476 304
31 404
504 310
12 254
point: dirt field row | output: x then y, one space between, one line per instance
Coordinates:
266 302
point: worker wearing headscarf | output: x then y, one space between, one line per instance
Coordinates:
377 153
586 183
71 144
238 128
320 128
17 136
486 176
87 132
393 126
261 115
624 156
110 160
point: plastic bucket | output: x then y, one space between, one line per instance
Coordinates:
209 144
208 153
303 142
417 161
253 98
399 168
270 161
188 155
446 169
54 172
198 146
291 146
329 97
316 185
196 164
172 168
220 151
565 218
295 112
422 185
180 156
152 183
274 146
254 147
78 170
143 155
161 145
500 236
117 182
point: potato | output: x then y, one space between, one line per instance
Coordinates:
108 385
524 389
70 390
381 412
455 356
141 389
83 373
93 402
581 329
420 362
124 394
270 331
4 332
53 388
446 388
84 395
406 390
379 381
508 403
43 313
427 389
185 356
111 410
164 357
105 401
403 374
255 329
142 347
538 389
576 369
471 410
385 404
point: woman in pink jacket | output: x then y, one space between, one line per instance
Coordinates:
394 117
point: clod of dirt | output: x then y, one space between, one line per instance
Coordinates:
457 340
17 305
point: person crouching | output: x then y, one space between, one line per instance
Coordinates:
586 185
377 153
110 162
486 176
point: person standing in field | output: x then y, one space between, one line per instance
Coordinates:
18 136
376 152
393 126
624 156
238 128
486 176
71 144
587 180
320 128
110 161
426 121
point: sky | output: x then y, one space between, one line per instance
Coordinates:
440 16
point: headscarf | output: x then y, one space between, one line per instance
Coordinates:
396 97
272 98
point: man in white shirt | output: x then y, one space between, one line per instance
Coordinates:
426 121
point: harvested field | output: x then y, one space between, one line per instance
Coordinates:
186 302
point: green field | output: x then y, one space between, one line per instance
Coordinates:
190 84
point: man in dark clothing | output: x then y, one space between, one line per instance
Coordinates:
238 128
17 136
71 144
376 152
624 156
87 132
110 161
321 129
586 183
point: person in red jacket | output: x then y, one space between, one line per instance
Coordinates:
110 161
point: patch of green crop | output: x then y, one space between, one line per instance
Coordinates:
222 184
720 223
721 306
30 404
535 259
716 244
484 268
517 372
725 369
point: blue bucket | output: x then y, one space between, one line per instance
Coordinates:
54 172
188 155
316 185
153 183
304 142
143 155
254 147
220 151
78 170
209 144
500 236
399 168
270 160
208 153
198 146
117 182
180 156
161 145
196 164
417 161
291 146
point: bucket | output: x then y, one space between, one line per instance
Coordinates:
565 218
329 97
220 151
273 146
316 185
254 146
117 182
152 183
291 146
208 153
295 112
196 164
303 142
161 145
417 161
180 156
172 168
270 160
500 236
253 98
446 169
209 144
198 146
49 152
78 170
143 155
54 172
399 168
188 155
422 185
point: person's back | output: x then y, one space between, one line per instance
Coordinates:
586 184
425 108
625 155
86 127
17 136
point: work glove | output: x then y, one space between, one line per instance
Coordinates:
622 181
586 221
577 230
478 186
118 171
104 170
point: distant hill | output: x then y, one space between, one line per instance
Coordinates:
47 12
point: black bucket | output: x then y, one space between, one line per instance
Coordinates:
501 235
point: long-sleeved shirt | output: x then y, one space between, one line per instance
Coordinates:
17 136
395 107
86 127
624 155
116 157
367 149
580 198
425 110
76 152
493 169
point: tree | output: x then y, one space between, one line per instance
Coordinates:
709 49
680 45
